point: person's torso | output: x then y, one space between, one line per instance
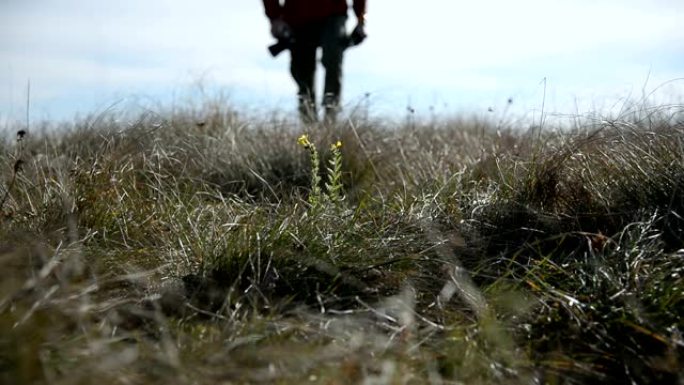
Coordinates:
297 12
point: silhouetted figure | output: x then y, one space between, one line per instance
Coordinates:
302 26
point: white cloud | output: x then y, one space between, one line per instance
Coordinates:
471 35
434 46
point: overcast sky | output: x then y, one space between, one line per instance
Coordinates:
83 56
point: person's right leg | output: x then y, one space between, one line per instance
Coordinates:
303 70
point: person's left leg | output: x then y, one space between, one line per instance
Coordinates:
303 69
333 42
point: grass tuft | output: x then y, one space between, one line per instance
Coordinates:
204 247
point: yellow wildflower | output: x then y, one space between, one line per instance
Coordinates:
336 145
304 141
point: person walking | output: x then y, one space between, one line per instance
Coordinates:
305 26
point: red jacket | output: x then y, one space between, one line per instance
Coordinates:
297 12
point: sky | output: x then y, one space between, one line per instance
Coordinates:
436 56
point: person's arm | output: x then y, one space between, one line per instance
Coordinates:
360 11
359 33
274 12
273 9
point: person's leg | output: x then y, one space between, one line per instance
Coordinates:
334 42
303 70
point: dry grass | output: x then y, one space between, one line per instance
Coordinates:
182 249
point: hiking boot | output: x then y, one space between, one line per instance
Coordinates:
307 111
332 108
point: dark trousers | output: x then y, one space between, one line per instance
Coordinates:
330 35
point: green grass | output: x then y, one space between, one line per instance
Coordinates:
188 249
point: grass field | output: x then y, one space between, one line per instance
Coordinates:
203 247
